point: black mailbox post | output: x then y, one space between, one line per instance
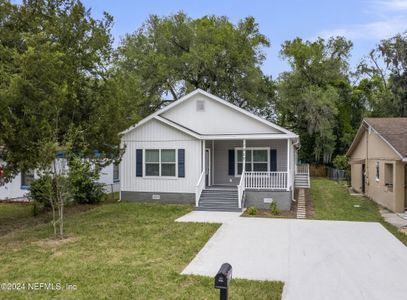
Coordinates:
222 280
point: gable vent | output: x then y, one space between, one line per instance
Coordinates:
200 105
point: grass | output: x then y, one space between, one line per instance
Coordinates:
332 201
116 250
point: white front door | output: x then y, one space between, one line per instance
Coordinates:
207 167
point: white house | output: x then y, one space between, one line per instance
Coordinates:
194 149
19 187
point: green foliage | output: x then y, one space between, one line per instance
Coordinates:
83 182
174 55
41 191
252 211
385 70
341 162
311 95
274 209
53 87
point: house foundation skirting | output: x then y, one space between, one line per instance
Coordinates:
159 197
261 199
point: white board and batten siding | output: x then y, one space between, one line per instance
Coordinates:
207 116
156 135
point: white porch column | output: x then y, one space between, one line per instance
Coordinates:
203 156
244 156
288 164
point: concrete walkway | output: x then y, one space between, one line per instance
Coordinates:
396 219
315 259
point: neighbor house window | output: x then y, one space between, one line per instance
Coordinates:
116 173
27 177
377 171
388 176
160 162
256 160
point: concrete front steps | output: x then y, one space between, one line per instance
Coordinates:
302 181
218 200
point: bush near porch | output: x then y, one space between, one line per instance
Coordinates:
121 251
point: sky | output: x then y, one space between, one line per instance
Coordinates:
365 22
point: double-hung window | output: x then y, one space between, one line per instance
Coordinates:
116 173
160 162
27 177
256 160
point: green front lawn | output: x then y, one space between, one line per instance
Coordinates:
119 251
332 201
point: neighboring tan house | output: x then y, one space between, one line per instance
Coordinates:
194 149
378 158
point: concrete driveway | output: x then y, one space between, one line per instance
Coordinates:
315 259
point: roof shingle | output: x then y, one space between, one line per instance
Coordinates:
393 130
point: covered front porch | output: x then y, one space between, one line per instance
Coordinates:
246 164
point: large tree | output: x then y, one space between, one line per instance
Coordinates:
386 70
171 56
314 96
53 94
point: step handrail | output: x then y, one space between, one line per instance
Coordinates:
199 188
241 188
303 170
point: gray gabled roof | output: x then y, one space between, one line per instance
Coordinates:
393 130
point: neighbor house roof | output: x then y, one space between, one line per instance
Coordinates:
158 116
392 130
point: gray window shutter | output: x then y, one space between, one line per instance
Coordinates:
231 169
273 160
139 162
181 162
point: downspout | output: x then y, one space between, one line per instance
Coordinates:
367 160
296 145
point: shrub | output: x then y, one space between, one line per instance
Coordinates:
252 211
274 209
40 192
341 162
83 181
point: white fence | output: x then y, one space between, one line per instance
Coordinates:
266 180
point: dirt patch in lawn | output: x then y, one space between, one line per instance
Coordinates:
55 242
12 223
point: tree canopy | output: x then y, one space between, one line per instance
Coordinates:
170 56
310 95
62 85
54 95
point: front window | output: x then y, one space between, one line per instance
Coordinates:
116 173
377 171
160 162
27 177
256 160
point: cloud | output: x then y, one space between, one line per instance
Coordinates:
391 18
389 5
376 30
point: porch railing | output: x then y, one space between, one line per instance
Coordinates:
302 169
265 180
241 188
199 187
